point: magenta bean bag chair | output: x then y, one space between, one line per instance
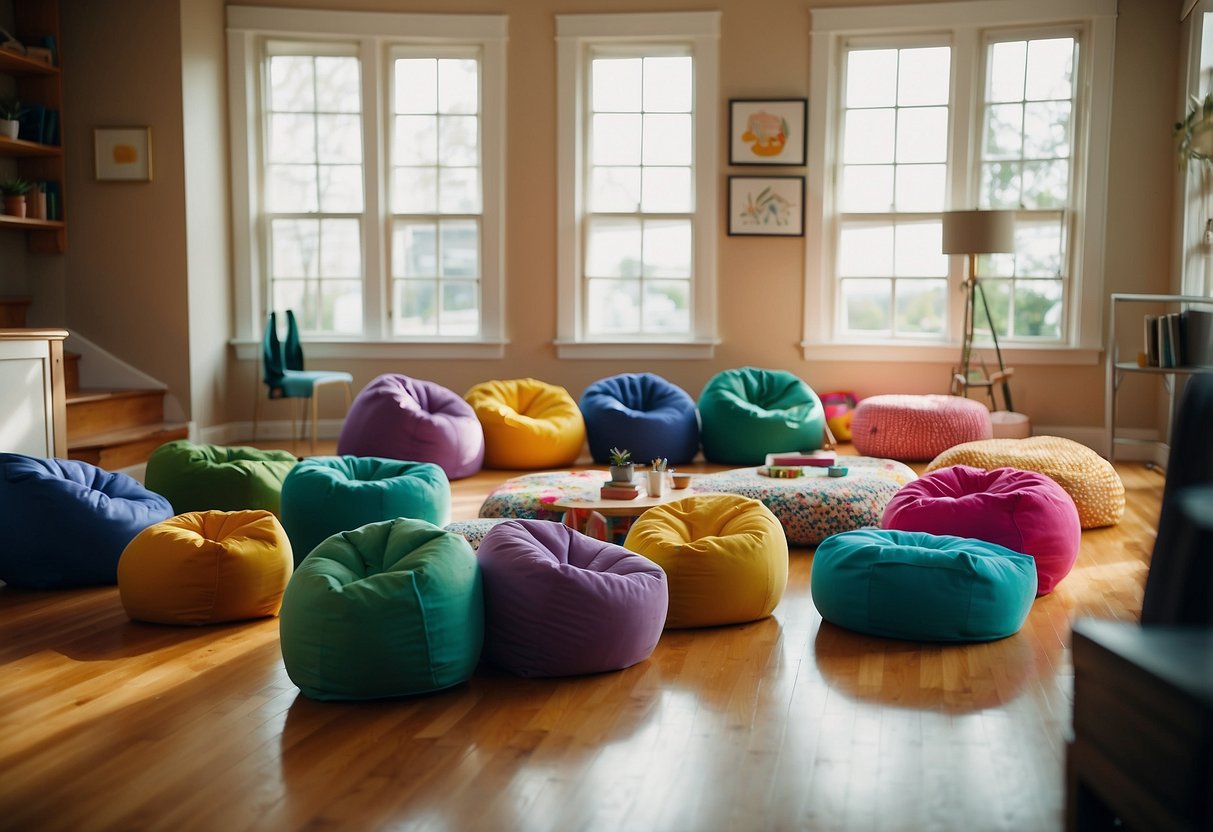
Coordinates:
558 603
397 417
917 428
1022 510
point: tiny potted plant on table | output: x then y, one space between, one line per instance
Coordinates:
622 466
10 114
14 191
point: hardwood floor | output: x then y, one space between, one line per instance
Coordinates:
786 723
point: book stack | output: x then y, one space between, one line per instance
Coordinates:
619 491
39 124
1179 339
812 459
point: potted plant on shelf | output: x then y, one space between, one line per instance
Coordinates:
10 115
14 191
622 467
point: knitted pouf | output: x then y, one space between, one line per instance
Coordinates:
917 428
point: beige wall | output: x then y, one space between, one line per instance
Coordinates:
132 276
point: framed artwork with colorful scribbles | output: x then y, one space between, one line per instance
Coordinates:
767 206
768 132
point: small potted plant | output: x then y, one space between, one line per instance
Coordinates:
14 191
10 113
622 467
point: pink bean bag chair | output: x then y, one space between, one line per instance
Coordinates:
1022 510
917 428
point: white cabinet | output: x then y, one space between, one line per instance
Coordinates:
33 418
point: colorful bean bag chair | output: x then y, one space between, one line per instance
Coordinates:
748 413
643 413
725 558
324 495
558 603
398 417
1021 510
390 609
206 567
527 424
1089 479
917 428
65 523
922 587
214 477
840 410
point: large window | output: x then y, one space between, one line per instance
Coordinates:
637 113
923 109
367 176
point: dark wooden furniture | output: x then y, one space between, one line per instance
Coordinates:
1143 728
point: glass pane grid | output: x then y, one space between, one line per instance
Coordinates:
436 277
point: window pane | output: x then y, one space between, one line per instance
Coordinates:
292 84
667 140
667 190
338 87
414 250
616 139
613 248
292 137
300 297
614 189
460 249
460 308
1047 130
1038 248
292 188
340 139
872 78
1000 185
867 188
868 137
998 299
667 306
458 190
458 86
294 246
416 140
667 248
1038 308
922 306
613 306
415 190
866 250
922 76
458 143
1050 69
919 250
341 306
1004 131
667 85
616 85
922 134
921 187
416 85
1046 184
1006 71
866 304
340 248
416 307
340 188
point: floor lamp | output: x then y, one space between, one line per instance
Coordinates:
974 233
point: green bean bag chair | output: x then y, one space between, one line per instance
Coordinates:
217 478
748 413
922 587
391 609
324 495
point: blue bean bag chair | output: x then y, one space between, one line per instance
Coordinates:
922 587
66 522
748 413
642 412
390 609
324 495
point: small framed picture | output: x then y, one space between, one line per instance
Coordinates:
768 206
122 154
768 132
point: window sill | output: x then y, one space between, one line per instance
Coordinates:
674 350
251 350
1013 356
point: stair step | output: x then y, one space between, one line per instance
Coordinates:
124 447
71 371
92 412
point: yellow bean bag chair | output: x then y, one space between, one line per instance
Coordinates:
725 558
1088 478
205 567
527 423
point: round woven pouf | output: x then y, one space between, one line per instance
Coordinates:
917 428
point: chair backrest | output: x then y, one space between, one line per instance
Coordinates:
1179 585
271 353
292 350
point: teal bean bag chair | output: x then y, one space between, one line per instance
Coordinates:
391 609
217 478
922 587
748 413
324 495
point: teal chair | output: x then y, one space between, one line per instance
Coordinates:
283 374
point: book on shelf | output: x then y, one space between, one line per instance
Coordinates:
1198 338
816 459
1151 340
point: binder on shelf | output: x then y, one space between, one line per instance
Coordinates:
1151 337
1175 337
1198 338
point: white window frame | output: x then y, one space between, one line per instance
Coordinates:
576 36
965 22
375 35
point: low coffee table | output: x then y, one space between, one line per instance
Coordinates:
579 512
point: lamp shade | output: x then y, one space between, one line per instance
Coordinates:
978 232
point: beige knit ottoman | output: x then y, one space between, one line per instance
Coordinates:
1087 477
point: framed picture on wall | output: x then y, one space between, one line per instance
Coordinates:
768 131
766 206
122 154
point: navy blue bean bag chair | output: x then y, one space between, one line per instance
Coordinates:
66 522
643 413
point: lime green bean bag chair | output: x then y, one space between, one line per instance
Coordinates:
391 609
748 413
324 495
217 478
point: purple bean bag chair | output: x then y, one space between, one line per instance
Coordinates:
558 603
398 417
1022 510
